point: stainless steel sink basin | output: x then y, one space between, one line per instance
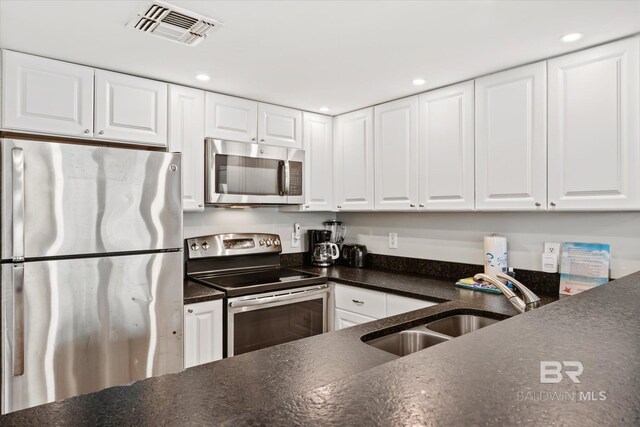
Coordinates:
460 324
408 341
420 337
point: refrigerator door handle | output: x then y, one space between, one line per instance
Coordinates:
17 328
17 205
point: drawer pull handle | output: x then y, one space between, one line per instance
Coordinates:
355 301
190 310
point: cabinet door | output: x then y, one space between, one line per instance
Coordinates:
186 136
594 135
397 304
396 155
353 161
231 118
43 95
279 126
131 109
446 148
345 319
511 140
318 149
202 333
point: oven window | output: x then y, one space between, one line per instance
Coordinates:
266 327
247 175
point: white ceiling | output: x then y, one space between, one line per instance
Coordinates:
307 54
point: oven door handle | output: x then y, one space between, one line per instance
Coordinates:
275 298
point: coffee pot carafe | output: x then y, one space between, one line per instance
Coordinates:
324 254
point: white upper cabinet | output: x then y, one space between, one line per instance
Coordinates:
46 96
279 126
231 118
594 135
131 109
511 140
353 161
318 146
186 136
446 148
396 154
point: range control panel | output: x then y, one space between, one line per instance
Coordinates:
230 244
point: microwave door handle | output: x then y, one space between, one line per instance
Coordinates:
287 178
282 186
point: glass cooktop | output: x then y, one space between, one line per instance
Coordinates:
255 282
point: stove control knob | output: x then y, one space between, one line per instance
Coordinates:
261 242
269 242
194 246
276 242
205 245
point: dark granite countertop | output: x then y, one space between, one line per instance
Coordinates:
336 379
196 292
410 285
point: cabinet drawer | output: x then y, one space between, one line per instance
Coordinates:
398 305
362 301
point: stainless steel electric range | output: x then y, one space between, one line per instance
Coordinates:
265 304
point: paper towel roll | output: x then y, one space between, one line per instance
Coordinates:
495 255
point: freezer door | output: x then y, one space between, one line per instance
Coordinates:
68 199
77 326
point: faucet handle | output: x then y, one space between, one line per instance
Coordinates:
530 299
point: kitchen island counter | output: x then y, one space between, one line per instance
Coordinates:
337 379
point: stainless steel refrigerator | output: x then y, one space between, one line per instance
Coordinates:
91 269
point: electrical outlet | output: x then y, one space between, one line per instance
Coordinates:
393 240
552 248
295 240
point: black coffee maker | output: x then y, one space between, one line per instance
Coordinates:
315 236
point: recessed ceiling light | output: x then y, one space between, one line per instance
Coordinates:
203 77
571 37
324 109
418 82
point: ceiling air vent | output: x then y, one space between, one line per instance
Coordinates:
173 23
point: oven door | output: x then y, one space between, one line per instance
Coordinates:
268 319
244 173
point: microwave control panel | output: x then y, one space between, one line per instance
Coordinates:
295 179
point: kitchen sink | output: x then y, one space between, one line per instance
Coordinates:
408 341
420 337
460 324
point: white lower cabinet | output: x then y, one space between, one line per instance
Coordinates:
345 319
354 305
202 333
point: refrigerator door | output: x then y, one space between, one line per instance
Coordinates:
67 199
87 324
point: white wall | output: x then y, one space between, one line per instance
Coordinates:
263 220
459 236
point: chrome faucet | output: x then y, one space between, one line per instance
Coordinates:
528 301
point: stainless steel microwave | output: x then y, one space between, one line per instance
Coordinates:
240 173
